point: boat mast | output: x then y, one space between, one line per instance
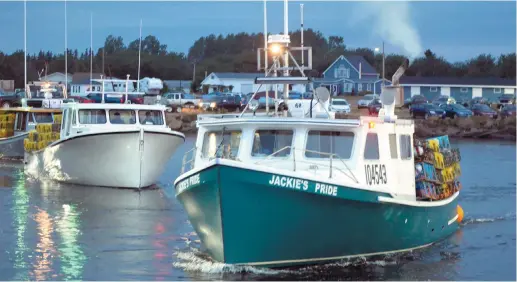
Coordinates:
139 48
91 50
66 57
25 45
265 55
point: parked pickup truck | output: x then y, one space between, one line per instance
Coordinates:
180 100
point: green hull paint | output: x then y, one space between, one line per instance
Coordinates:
242 219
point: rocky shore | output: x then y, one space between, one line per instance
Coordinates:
475 127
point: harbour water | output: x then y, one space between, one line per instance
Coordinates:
53 231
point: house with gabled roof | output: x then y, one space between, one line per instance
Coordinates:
351 74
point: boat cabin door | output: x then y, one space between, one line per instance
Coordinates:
66 123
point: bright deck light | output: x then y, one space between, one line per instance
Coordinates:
276 49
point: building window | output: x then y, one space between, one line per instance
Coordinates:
371 147
341 71
433 89
405 147
464 90
267 142
368 87
497 90
359 87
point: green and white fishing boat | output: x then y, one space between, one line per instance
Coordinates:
302 187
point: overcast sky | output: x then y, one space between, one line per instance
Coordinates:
455 30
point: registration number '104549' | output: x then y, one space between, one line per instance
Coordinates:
375 174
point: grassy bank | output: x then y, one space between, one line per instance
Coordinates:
475 127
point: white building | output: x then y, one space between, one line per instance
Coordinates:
239 83
81 84
57 77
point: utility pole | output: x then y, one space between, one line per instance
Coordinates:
383 64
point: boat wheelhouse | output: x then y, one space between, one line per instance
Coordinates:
114 145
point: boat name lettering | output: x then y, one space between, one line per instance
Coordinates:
326 189
375 174
289 182
193 180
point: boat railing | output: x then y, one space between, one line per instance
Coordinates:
189 159
331 156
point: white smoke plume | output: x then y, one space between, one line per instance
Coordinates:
390 21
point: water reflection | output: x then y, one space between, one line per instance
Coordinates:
45 247
71 254
20 212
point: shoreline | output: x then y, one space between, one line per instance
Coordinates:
479 128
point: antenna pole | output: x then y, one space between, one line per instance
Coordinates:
139 48
25 43
383 62
286 52
66 54
265 54
91 50
301 30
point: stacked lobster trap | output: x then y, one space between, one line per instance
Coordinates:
437 168
7 124
44 134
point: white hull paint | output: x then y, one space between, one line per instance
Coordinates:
112 159
12 147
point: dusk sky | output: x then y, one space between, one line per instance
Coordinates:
455 30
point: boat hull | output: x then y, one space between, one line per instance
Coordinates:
113 159
250 217
12 147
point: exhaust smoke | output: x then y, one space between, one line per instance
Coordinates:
391 21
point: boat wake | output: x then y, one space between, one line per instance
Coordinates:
468 221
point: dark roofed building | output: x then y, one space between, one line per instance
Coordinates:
457 87
81 83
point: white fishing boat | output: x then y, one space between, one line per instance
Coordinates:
302 187
114 145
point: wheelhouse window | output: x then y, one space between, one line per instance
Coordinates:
405 147
43 117
122 116
320 144
221 144
371 147
92 116
267 142
393 146
21 121
150 117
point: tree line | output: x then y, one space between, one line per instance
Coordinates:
234 53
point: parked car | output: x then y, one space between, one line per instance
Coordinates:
339 105
426 111
374 107
483 110
456 110
508 110
415 100
135 98
218 101
444 100
505 99
108 98
180 100
8 100
366 100
79 99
